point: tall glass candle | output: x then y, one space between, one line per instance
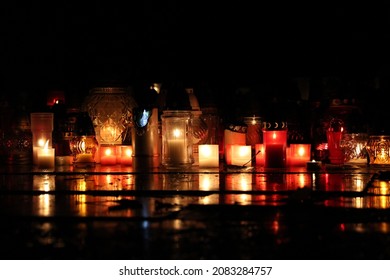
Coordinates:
275 144
46 157
42 124
233 135
334 136
177 139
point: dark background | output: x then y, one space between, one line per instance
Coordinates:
76 45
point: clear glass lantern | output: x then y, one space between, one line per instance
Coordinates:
177 145
110 109
378 148
354 146
83 144
83 150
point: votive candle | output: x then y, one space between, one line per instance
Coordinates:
209 155
241 155
107 155
126 155
46 158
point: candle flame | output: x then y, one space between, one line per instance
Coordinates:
301 151
129 152
46 146
176 133
253 121
107 152
274 135
41 142
243 151
205 150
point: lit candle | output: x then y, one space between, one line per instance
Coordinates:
241 155
45 157
107 155
298 154
126 157
275 144
334 135
40 143
84 156
208 155
233 135
176 147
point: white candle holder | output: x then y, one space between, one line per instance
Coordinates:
208 155
42 124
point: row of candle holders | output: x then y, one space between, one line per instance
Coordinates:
175 148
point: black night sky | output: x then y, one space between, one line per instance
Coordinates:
76 45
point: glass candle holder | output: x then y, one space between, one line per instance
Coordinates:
83 150
253 134
108 154
42 124
254 130
275 144
378 147
110 109
177 139
298 154
208 155
233 135
334 135
354 147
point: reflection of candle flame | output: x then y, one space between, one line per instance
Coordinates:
44 205
204 182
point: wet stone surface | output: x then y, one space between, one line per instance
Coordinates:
121 214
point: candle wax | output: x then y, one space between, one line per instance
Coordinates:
45 158
177 150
